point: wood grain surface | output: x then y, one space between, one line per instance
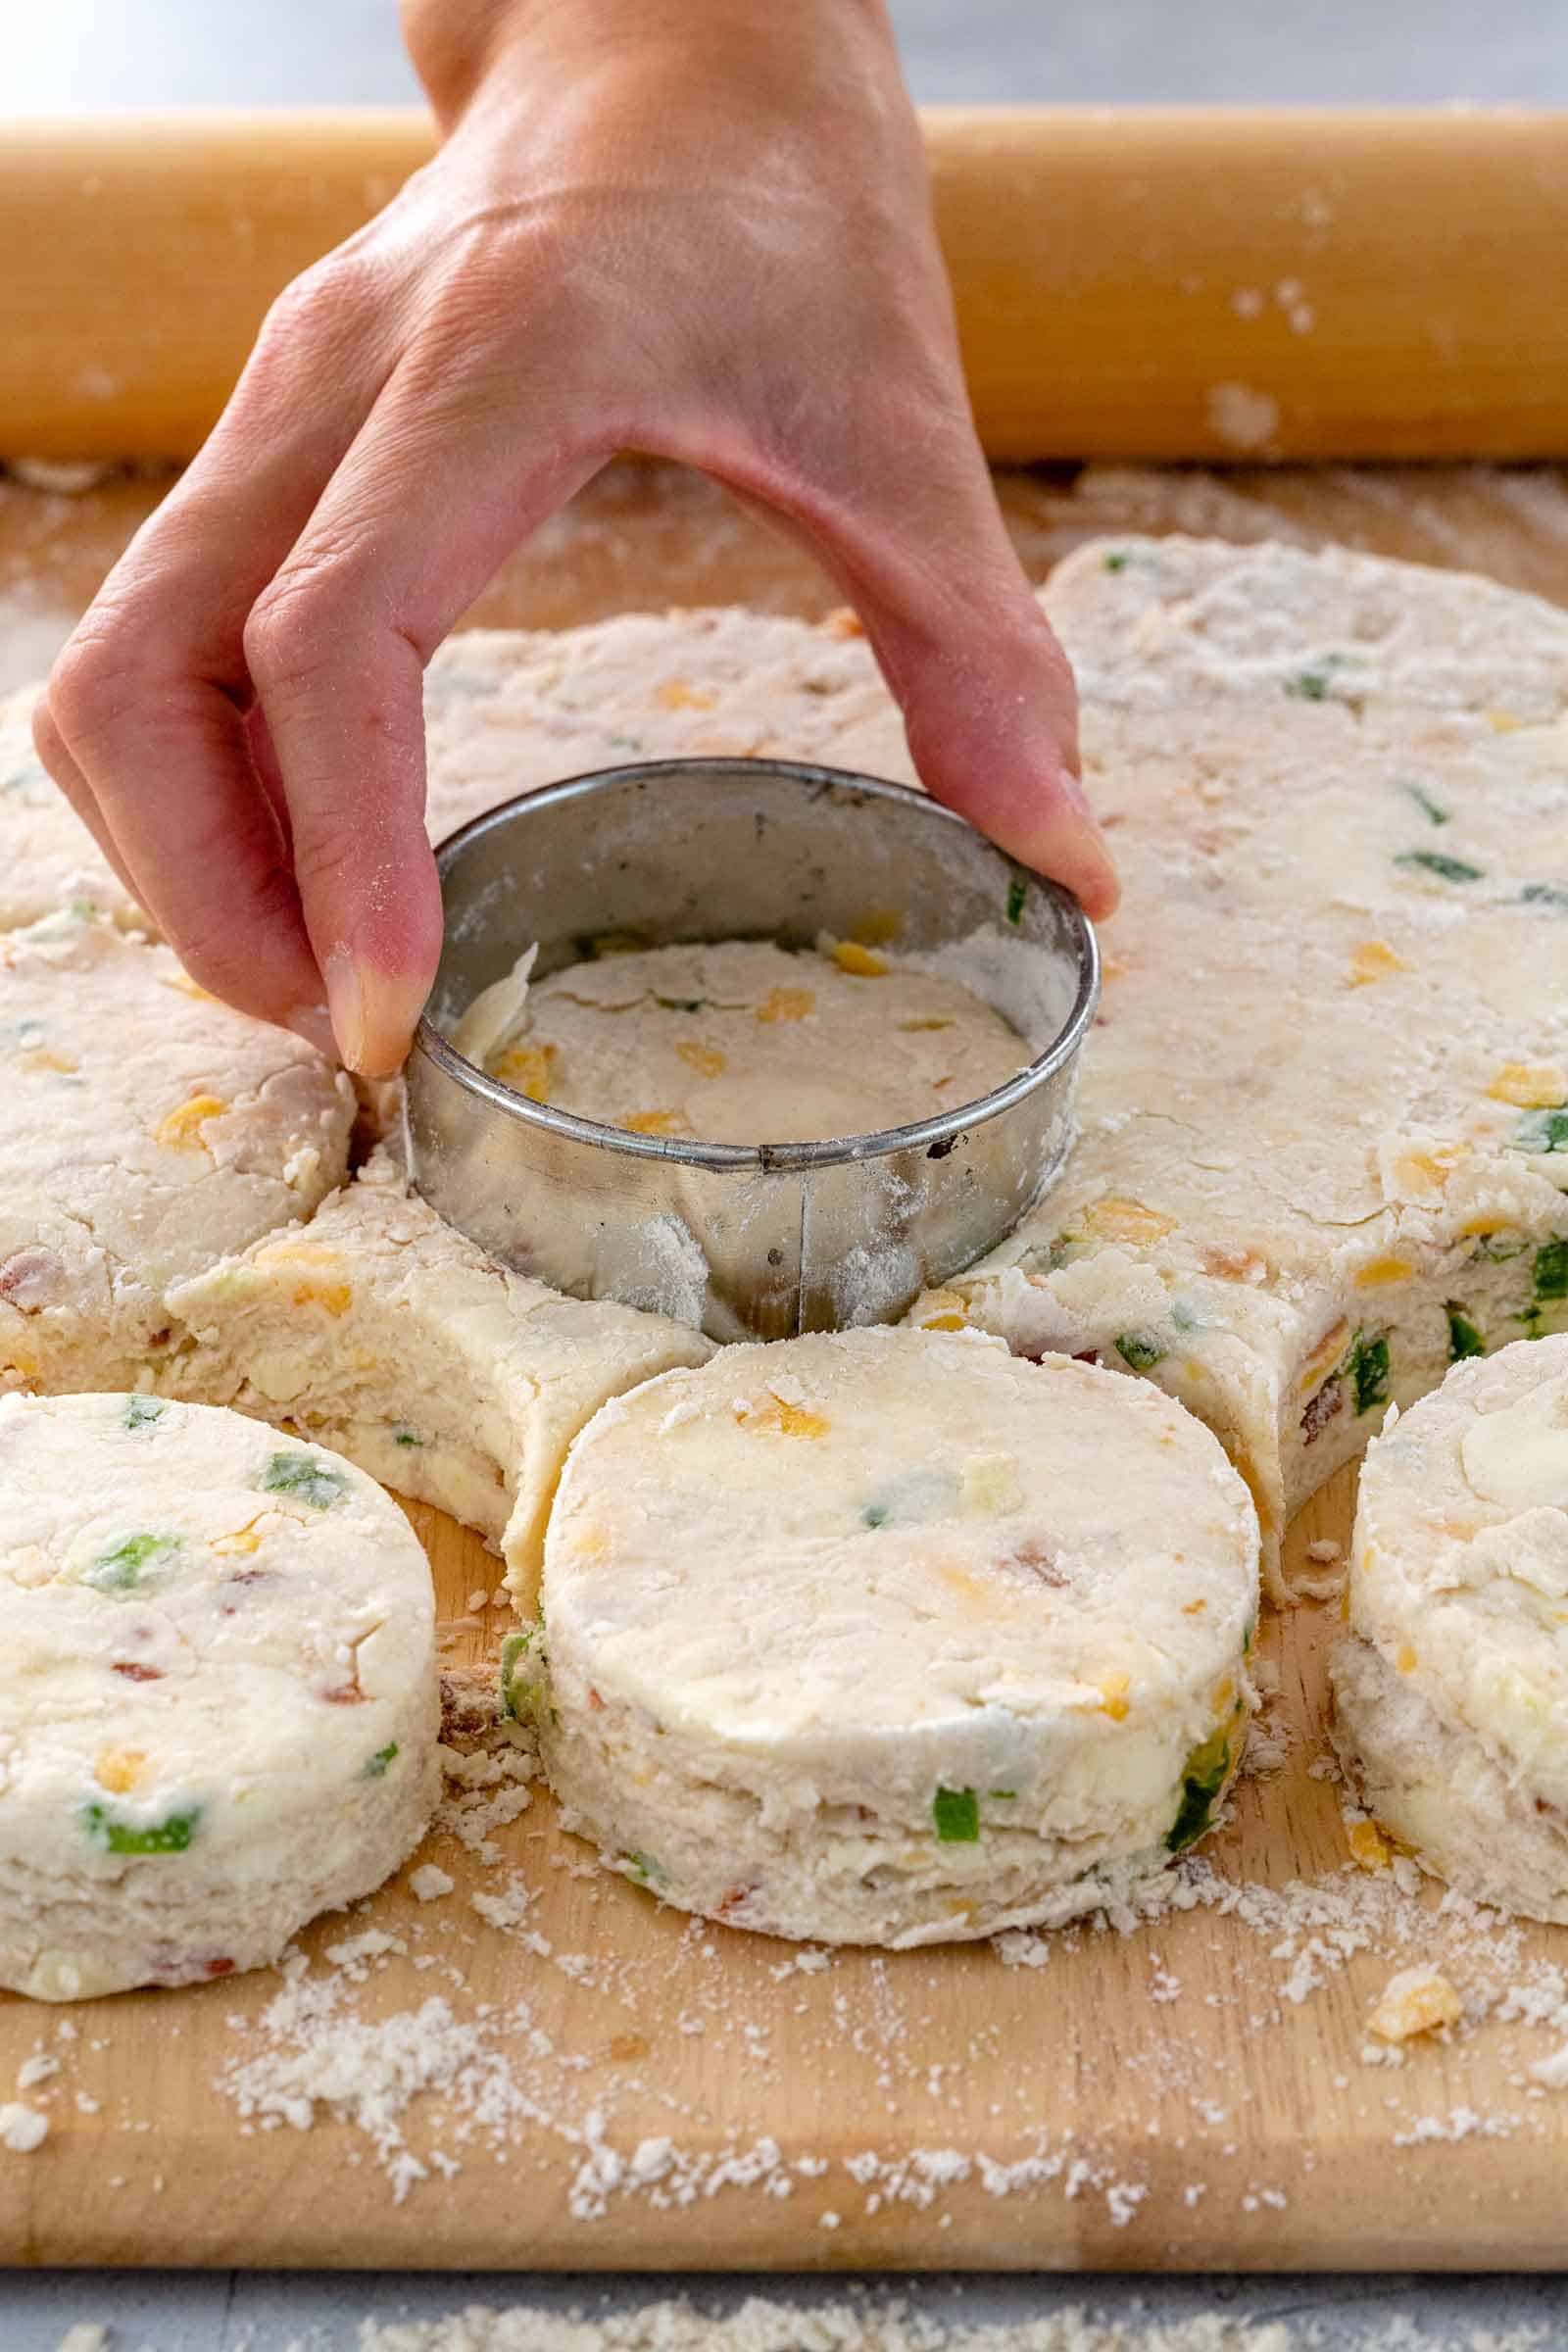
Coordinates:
1156 283
1156 2099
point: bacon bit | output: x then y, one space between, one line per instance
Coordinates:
736 1897
843 622
31 1278
1321 1409
787 1005
345 1694
654 1122
1039 1561
707 1060
180 1130
676 694
1529 1086
596 1703
1373 961
137 1674
1116 1219
219 1967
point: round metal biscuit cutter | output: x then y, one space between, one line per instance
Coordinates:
746 1242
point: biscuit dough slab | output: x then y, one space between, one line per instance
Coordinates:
378 1330
741 1041
1323 1143
1451 1687
224 1703
48 858
887 1637
146 1132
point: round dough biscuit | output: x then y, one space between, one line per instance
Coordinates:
889 1637
225 1705
1451 1691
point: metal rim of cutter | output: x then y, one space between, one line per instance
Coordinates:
665 850
920 1136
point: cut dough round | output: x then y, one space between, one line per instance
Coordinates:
149 1130
225 1705
740 1041
889 1637
1451 1691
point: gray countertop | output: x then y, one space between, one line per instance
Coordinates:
316 2312
145 52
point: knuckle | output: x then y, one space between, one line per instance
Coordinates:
89 682
288 632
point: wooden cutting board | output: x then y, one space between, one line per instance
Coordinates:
1158 2099
673 2097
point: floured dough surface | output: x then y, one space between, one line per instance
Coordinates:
222 1705
148 1131
48 858
891 1638
381 1332
1453 1686
742 1042
1324 1141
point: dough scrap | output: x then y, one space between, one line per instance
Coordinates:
888 1637
1451 1686
381 1332
223 1699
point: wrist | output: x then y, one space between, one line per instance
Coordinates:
461 48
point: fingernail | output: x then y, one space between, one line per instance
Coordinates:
373 1013
345 995
314 1023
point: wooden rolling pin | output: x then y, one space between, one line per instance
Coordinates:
1151 284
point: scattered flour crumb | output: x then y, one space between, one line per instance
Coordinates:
21 2128
430 1882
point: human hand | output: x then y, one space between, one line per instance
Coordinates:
696 228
